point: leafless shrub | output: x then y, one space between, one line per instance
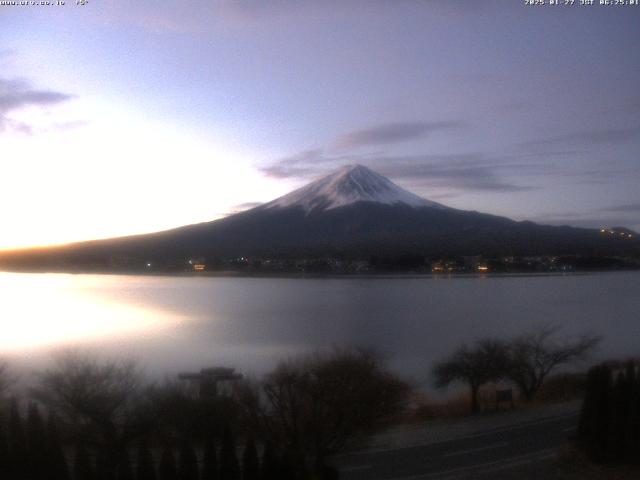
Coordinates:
317 404
533 356
485 361
105 401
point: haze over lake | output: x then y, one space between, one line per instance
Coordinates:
172 324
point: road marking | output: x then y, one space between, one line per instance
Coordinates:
478 449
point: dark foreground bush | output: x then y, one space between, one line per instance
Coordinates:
106 422
609 428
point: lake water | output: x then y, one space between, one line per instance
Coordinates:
173 324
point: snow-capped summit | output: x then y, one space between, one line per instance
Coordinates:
350 184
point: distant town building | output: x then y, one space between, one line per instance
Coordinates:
617 232
198 264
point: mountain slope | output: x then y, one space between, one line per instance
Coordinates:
352 213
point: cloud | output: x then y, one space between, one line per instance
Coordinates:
552 153
241 207
300 165
629 207
593 137
311 162
465 172
392 133
443 196
468 172
462 171
16 94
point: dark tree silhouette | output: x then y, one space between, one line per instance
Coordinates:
167 469
187 463
145 469
57 462
36 443
4 451
83 466
229 468
290 466
18 453
107 397
124 469
632 430
210 460
534 355
270 463
314 406
609 426
618 416
183 412
593 423
250 461
481 363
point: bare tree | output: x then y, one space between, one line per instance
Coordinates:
485 361
534 355
315 405
104 399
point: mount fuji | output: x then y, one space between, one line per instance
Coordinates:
349 185
351 213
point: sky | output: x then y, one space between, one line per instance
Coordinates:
121 117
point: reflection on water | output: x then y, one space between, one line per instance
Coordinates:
43 311
176 323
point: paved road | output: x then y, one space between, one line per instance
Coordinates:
526 446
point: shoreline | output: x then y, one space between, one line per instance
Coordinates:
306 276
303 276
